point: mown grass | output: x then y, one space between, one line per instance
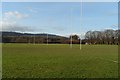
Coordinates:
0 60
59 61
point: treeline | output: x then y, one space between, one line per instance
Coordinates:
14 37
108 36
37 40
33 39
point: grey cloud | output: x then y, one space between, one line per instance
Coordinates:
17 28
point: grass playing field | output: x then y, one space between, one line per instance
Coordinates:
0 61
60 61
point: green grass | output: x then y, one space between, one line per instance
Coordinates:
59 61
0 60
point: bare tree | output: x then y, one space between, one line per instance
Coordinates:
108 36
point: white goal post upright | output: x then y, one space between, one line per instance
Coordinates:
71 27
47 39
47 34
80 43
34 38
71 41
81 25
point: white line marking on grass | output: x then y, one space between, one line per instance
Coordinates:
113 61
110 60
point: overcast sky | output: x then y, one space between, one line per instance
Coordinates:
59 18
